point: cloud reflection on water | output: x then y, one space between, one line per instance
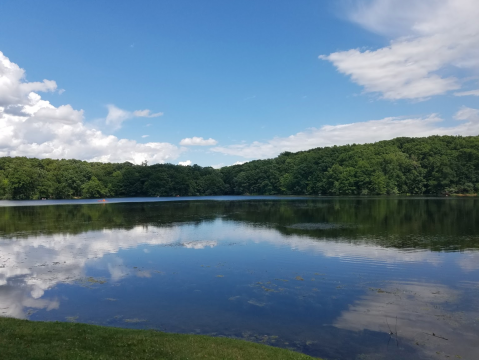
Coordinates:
421 309
41 262
34 264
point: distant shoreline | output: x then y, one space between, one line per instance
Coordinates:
155 199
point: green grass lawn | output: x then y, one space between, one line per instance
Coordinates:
25 340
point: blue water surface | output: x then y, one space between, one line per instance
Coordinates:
338 278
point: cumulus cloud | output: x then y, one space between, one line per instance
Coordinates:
198 141
30 126
356 133
185 163
431 38
64 114
14 90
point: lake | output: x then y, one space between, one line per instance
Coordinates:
339 278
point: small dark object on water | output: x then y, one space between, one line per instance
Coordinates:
440 337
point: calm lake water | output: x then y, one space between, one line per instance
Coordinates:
339 278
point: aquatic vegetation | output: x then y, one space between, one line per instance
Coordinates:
134 321
90 281
95 281
256 302
143 273
267 289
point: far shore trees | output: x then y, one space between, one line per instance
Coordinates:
432 165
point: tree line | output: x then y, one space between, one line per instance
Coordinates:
432 165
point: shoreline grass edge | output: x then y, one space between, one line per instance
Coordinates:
25 339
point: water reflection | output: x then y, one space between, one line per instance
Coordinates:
326 277
423 314
433 224
469 261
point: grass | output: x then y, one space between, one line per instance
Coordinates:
23 339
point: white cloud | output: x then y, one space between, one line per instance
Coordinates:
117 116
466 113
13 89
185 163
468 93
198 141
64 114
357 133
30 126
219 166
146 114
432 38
145 136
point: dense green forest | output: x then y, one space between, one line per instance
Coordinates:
433 165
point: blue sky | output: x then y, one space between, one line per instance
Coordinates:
245 74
